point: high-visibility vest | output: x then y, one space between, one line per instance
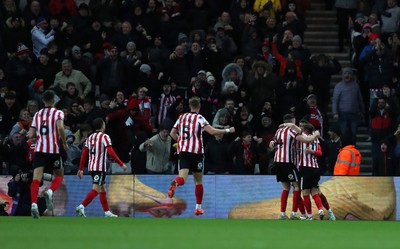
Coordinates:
348 161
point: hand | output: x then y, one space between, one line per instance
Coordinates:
232 130
317 134
80 174
309 151
124 167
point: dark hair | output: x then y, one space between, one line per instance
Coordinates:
48 96
245 133
194 102
97 123
288 117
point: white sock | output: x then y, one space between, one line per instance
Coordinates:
81 206
34 205
283 213
198 206
50 191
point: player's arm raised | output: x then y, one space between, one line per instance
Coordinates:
213 131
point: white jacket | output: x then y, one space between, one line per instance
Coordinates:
40 39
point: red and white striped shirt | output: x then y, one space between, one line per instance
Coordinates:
165 102
44 121
284 139
190 127
97 144
304 159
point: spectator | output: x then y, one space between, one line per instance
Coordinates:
46 69
20 73
390 18
245 154
68 74
23 125
158 150
112 73
217 159
15 32
40 37
347 103
9 112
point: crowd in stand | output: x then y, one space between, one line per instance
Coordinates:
136 63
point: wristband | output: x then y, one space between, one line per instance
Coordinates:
227 131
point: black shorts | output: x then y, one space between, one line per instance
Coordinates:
99 177
286 172
193 162
310 177
50 162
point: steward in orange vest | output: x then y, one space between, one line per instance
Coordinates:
348 161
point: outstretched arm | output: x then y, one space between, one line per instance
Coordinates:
213 131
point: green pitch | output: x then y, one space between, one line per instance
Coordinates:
107 233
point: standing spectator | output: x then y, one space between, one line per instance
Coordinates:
217 159
245 153
112 72
33 11
68 74
165 101
15 32
190 127
48 127
348 161
178 69
266 132
332 147
322 69
347 103
345 9
382 121
390 18
20 73
40 37
97 146
46 69
9 112
158 150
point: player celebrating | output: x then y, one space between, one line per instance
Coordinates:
48 127
97 145
190 128
286 171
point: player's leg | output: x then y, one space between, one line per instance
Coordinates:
296 195
55 184
307 202
326 205
184 163
37 177
318 202
198 181
104 202
88 199
284 198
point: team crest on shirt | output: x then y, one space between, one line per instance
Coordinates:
199 165
291 177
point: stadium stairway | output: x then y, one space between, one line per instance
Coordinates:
321 37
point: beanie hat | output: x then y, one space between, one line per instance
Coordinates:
22 49
359 16
366 26
210 78
182 37
230 83
40 20
76 50
131 43
144 68
373 36
201 72
103 97
37 84
297 38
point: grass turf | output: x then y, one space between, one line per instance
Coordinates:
107 233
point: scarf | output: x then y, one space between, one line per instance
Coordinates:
247 155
